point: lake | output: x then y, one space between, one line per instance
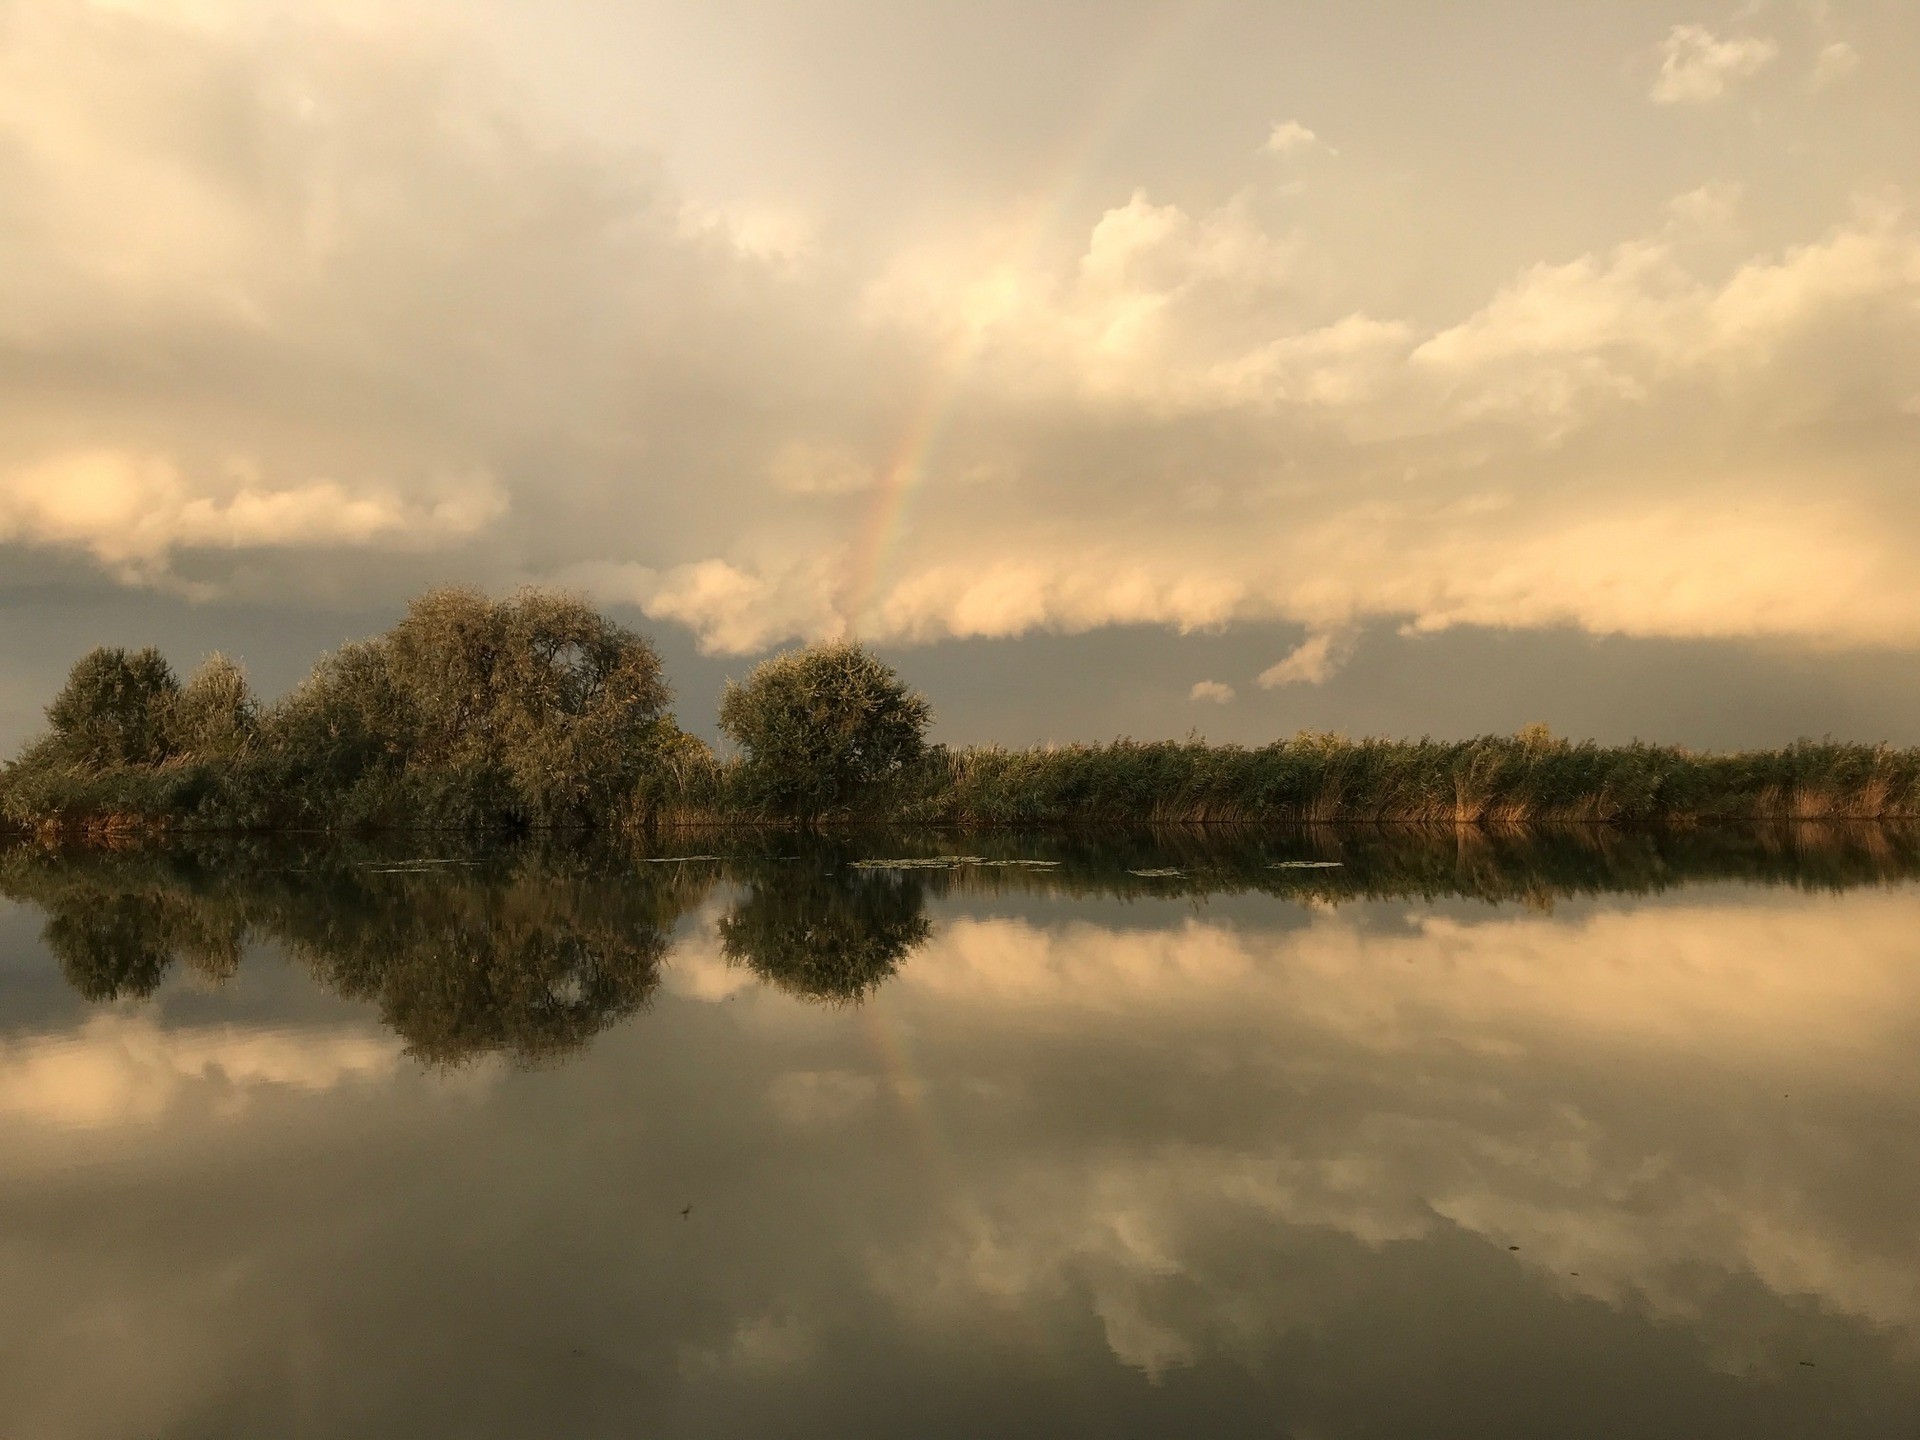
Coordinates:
1310 1134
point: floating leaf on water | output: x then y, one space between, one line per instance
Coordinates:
948 862
410 867
937 862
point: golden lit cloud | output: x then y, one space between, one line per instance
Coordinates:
439 322
1698 67
133 512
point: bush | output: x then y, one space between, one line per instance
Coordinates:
115 709
824 727
214 715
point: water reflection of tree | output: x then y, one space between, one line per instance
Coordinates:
829 932
113 944
530 950
532 963
529 954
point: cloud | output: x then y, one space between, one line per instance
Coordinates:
1710 210
734 610
134 512
446 337
804 467
1313 662
1835 63
1697 67
1539 462
1290 137
1212 691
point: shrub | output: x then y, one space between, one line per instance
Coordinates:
115 709
214 715
823 727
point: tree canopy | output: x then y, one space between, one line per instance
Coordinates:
823 726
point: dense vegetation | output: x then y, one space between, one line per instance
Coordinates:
537 712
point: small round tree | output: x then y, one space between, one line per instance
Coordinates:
115 709
823 726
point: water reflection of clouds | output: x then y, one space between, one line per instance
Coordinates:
1828 981
1196 1145
1478 1064
122 1068
1604 1095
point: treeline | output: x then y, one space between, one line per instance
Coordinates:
536 712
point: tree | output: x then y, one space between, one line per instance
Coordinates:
115 709
823 726
535 709
215 714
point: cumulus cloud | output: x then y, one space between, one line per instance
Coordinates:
133 512
1697 67
1312 662
1212 691
1537 462
1835 63
1290 137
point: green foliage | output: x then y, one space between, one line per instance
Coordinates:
215 715
535 711
115 709
1493 780
824 728
538 712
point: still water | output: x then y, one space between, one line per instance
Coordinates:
1315 1135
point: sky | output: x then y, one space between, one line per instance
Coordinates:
1115 367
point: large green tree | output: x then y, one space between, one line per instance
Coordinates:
536 707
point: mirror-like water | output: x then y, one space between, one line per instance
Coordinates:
1311 1135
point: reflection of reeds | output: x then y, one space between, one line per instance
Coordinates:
530 948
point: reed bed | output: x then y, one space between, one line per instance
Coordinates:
1491 781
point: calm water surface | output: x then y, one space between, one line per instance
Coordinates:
1305 1136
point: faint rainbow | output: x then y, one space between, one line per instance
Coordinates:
890 1046
885 521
